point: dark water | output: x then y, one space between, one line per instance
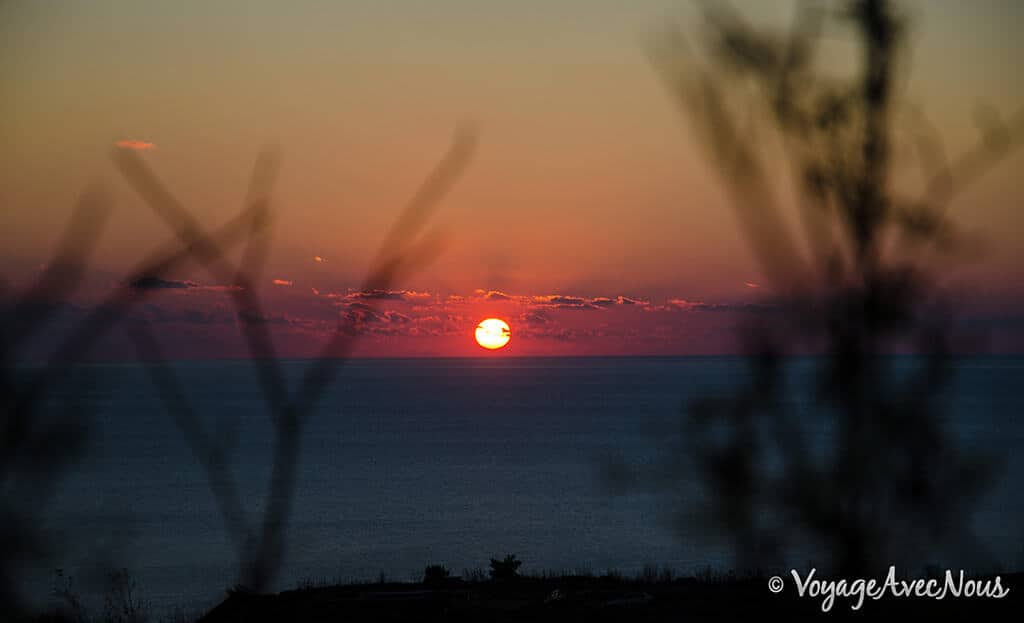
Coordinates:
450 461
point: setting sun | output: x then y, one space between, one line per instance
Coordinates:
493 333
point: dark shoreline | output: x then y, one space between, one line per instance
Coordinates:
605 598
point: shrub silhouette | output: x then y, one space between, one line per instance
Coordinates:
474 575
506 569
70 606
121 602
436 576
885 482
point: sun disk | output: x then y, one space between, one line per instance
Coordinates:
493 333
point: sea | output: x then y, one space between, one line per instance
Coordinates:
406 463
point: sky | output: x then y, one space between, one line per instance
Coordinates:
589 216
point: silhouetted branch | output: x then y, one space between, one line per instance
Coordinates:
209 451
397 253
889 480
33 453
60 277
250 315
261 551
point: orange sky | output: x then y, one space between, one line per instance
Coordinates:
586 183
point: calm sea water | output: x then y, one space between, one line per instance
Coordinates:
451 461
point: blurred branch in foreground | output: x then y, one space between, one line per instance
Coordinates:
42 438
851 465
38 446
261 548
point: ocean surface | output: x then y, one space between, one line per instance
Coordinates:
413 462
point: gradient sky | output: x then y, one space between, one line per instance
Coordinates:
589 218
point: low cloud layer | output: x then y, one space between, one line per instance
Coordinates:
561 318
198 320
156 283
136 145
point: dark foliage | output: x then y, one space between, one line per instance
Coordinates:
860 469
436 576
506 568
576 598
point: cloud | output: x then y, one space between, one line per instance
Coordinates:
701 306
623 300
364 319
156 283
565 301
386 313
570 334
562 301
751 284
318 259
394 317
682 304
443 322
377 295
536 318
412 295
361 313
136 145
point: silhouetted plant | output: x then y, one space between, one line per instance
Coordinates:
41 439
435 576
180 615
654 574
71 607
890 484
39 444
122 603
649 574
474 575
505 569
261 547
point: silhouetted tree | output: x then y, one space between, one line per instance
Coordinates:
436 576
506 568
